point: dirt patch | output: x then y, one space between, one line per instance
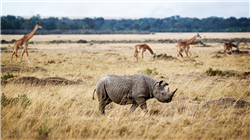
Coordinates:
109 54
165 57
189 60
19 68
227 102
41 82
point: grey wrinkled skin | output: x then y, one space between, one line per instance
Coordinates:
134 89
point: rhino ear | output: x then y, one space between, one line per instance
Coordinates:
165 84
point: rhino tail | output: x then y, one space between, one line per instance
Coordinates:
94 94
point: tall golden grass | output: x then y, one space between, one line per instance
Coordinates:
68 111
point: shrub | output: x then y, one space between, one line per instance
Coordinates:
7 76
149 71
217 72
81 41
4 42
159 55
51 61
43 130
23 99
246 73
12 41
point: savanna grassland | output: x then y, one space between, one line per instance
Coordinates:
52 96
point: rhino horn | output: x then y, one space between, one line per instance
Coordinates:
173 92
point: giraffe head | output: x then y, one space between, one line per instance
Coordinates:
38 25
198 36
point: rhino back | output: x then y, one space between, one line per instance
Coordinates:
119 88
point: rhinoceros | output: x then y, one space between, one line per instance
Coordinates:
135 89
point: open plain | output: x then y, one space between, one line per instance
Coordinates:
52 96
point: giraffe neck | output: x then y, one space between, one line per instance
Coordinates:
31 34
191 40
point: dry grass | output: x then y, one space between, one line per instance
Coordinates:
68 111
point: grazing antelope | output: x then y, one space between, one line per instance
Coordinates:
24 41
184 45
142 48
229 46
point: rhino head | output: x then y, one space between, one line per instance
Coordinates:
162 95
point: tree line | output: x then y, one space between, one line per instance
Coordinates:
18 25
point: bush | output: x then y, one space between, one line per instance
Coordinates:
81 41
217 72
246 73
51 61
12 41
159 55
7 76
25 101
150 71
43 130
4 42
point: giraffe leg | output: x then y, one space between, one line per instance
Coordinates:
189 52
12 56
26 50
22 55
16 49
14 52
186 52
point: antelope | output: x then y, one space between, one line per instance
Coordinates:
184 45
24 41
229 46
142 48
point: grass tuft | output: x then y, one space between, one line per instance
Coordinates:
7 76
217 72
23 99
149 71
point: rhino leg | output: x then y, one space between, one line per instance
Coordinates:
142 103
102 105
144 107
133 107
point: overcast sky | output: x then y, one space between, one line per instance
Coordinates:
127 9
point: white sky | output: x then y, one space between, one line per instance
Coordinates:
126 9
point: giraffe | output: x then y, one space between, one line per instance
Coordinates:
184 45
142 48
24 41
